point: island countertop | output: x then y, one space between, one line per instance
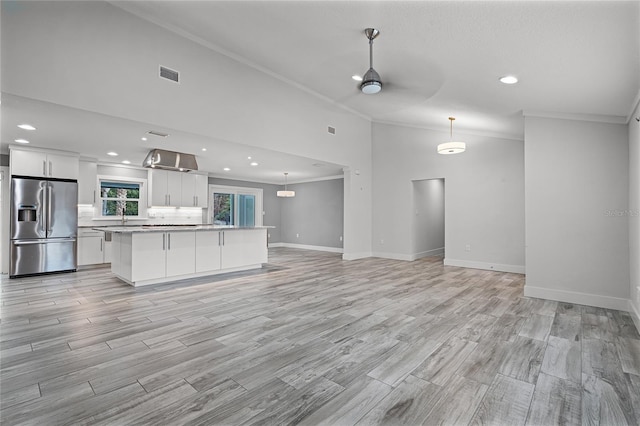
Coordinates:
174 228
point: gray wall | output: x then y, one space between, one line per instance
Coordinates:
577 175
484 203
315 215
270 203
428 211
634 211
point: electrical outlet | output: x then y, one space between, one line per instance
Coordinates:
340 237
268 235
297 235
467 247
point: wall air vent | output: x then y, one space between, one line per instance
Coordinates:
169 74
156 133
331 130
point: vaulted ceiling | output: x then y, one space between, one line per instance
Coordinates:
436 59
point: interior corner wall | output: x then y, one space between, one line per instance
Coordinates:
576 196
634 214
314 217
484 196
428 218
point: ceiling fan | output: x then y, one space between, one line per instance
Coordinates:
371 83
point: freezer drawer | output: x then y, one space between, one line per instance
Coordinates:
42 256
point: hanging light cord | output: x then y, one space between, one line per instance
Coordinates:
451 131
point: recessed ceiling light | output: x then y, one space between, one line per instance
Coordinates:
509 79
26 127
126 162
254 164
22 141
356 77
204 149
113 154
248 158
226 169
144 139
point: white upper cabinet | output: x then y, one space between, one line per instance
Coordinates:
194 190
165 188
43 164
87 182
177 189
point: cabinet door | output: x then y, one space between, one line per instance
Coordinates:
148 258
28 163
202 190
158 188
90 250
181 253
188 190
62 166
87 182
207 251
244 247
174 188
107 251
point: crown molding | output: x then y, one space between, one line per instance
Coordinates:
598 118
634 105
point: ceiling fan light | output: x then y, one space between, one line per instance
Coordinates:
371 83
448 148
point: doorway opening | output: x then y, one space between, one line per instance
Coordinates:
428 236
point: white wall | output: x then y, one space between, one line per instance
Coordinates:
217 97
5 196
484 202
428 218
576 175
634 213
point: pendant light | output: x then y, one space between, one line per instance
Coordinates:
286 193
451 147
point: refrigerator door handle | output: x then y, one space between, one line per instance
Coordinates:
43 241
49 202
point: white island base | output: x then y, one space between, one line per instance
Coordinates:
152 256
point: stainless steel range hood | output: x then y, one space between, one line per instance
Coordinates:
170 160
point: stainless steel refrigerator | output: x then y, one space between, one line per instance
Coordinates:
44 224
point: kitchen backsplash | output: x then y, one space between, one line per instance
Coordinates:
161 215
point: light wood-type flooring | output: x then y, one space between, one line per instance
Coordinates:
311 339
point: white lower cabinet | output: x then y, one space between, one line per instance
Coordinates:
92 248
208 251
142 258
162 254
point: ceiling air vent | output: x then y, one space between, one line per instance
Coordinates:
156 133
169 74
331 130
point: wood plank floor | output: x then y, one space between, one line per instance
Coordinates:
312 339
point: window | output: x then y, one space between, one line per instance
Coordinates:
235 205
120 198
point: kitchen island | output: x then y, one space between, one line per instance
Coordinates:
151 254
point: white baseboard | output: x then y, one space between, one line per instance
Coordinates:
434 252
516 269
635 314
307 247
355 256
393 256
597 300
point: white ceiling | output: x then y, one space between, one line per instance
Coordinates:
94 135
436 59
